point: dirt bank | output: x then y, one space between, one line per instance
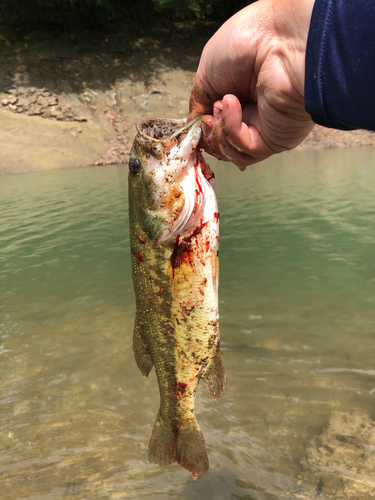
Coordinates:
75 105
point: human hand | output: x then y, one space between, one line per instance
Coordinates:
250 83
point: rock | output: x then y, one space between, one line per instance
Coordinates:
56 112
341 461
9 100
51 101
35 110
42 101
27 100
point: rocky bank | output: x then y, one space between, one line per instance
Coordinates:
67 105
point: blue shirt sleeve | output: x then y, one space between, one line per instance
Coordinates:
340 64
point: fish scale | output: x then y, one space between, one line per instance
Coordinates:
174 236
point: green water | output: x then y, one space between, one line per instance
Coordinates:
297 319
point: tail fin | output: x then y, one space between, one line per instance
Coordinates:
182 444
191 449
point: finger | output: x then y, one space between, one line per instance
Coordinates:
207 140
242 128
224 148
214 141
202 98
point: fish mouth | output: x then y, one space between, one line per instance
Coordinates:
174 143
163 129
157 135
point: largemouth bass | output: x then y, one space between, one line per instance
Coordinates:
174 238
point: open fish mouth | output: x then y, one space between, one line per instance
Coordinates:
162 128
175 144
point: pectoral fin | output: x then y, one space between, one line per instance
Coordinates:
215 375
141 351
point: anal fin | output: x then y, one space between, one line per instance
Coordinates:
141 352
214 376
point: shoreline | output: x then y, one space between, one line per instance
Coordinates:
65 108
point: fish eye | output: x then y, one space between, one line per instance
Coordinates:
134 165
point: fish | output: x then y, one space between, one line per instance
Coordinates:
174 241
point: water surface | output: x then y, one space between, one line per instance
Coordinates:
297 319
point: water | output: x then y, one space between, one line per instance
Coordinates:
297 309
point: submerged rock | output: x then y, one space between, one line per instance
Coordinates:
341 461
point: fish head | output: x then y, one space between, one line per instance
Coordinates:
160 154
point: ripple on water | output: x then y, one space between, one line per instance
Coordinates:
297 314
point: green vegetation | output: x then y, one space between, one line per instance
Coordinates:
19 17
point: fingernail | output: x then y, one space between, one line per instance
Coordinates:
206 129
217 114
218 105
224 105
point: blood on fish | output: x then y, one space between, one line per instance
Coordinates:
183 251
180 388
137 255
197 180
196 232
208 244
206 171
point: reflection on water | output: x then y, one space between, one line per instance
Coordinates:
297 315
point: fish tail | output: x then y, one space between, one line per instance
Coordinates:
182 444
162 447
191 449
